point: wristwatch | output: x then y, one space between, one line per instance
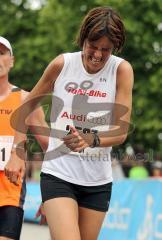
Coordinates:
96 140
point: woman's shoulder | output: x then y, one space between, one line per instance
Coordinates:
125 66
72 54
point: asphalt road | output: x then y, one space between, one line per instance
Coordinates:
34 232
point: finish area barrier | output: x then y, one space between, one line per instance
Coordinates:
135 211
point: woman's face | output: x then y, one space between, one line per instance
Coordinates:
96 53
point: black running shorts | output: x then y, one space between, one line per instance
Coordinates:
11 218
93 197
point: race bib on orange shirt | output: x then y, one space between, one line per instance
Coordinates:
6 143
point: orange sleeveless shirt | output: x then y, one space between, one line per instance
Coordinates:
10 194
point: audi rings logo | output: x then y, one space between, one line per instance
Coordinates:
97 120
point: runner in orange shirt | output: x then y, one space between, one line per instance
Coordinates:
11 195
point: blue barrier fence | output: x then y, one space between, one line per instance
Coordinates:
135 211
32 201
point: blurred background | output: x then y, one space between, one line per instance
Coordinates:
39 30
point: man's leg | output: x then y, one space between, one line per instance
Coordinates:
11 219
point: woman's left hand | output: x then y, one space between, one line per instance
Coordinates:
76 141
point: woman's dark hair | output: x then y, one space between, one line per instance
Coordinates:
99 22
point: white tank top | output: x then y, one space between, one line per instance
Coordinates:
85 101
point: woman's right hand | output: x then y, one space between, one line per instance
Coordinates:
40 213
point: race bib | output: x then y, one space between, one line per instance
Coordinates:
6 143
85 122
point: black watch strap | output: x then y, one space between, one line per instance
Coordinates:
96 140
